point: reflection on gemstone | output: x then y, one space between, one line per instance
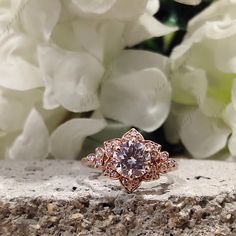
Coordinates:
131 159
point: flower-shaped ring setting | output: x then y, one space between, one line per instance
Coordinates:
131 160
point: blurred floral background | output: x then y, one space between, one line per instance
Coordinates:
74 73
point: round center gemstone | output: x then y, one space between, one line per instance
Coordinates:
131 159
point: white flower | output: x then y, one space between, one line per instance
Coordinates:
138 92
203 79
54 56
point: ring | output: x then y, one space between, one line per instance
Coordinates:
131 160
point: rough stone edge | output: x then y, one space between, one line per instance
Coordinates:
126 214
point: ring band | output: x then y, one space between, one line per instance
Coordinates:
131 160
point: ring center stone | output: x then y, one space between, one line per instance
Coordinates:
131 159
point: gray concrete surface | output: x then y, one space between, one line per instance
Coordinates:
66 198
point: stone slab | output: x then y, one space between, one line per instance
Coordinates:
66 198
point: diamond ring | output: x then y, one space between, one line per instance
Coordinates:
131 160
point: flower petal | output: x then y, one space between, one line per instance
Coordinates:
90 38
60 35
95 6
189 2
20 75
171 129
202 136
113 40
39 17
120 9
189 86
229 116
6 139
212 107
103 40
15 106
49 99
153 6
73 78
224 51
131 61
5 17
214 13
140 98
145 28
67 139
32 143
16 44
128 10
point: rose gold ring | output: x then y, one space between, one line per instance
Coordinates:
131 160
